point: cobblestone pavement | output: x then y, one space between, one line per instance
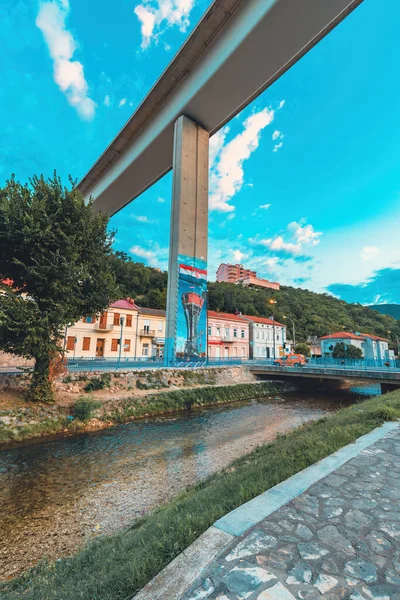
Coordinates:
339 540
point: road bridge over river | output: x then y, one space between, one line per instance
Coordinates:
388 377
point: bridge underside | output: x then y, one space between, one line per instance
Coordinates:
388 381
239 48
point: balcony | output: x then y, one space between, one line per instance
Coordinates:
147 333
103 326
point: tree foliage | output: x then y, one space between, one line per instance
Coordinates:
303 348
56 250
342 350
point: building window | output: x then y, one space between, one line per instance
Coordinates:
209 331
127 346
218 331
160 325
86 343
258 334
243 352
242 334
146 327
235 333
87 319
116 318
129 320
70 342
114 345
227 334
145 350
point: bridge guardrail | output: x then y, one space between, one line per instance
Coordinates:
315 364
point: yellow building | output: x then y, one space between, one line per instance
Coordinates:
142 331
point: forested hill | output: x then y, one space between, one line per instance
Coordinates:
393 310
314 314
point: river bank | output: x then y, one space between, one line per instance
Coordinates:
87 403
116 566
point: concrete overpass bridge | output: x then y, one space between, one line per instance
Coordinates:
237 50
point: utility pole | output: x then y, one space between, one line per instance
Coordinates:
272 302
294 330
121 322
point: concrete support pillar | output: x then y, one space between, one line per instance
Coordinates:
186 335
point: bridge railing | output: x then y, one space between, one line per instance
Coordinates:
114 364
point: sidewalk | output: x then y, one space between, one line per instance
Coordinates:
331 531
340 539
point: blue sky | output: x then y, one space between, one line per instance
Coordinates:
304 184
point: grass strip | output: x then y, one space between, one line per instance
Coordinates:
185 399
116 567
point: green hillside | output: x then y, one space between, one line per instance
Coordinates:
393 310
314 314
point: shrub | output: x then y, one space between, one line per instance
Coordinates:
84 409
98 383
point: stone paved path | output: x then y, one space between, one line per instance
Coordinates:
339 540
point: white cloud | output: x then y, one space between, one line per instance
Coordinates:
161 200
278 244
272 262
265 206
216 144
122 102
278 146
107 100
156 257
142 219
276 134
304 234
68 73
281 103
157 15
238 255
370 252
226 160
148 255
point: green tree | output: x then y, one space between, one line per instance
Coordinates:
354 352
56 251
342 350
303 349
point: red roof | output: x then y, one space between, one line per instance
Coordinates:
126 304
225 316
345 335
264 321
8 282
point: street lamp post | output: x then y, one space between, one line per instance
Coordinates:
294 330
272 302
121 322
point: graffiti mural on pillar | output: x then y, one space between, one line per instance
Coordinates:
192 311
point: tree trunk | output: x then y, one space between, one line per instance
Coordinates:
40 386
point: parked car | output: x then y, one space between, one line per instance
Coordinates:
291 360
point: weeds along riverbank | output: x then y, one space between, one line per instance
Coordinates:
89 413
116 567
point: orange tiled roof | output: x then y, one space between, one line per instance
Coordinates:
345 335
126 304
225 316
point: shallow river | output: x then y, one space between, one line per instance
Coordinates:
56 494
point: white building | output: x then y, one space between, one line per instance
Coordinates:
371 346
262 333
